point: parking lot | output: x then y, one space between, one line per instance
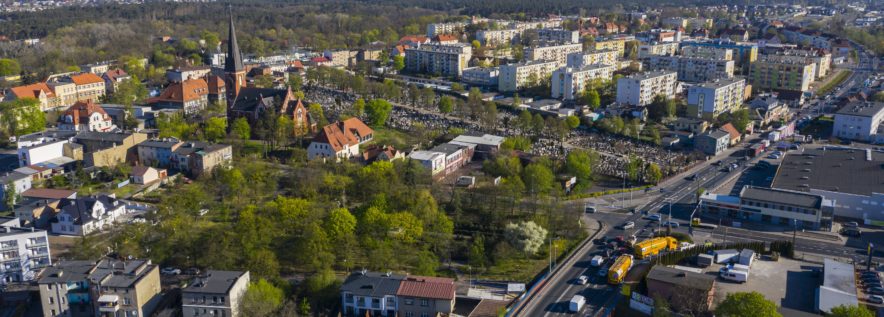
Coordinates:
788 283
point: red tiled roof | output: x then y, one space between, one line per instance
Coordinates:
85 79
32 91
48 193
82 110
115 73
427 287
414 38
320 59
188 90
731 130
445 38
339 134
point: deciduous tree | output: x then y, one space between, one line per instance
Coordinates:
746 304
525 236
378 111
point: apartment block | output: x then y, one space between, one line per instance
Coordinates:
23 251
859 121
710 99
617 44
558 36
694 23
744 53
640 89
434 29
557 53
607 57
693 69
657 49
447 60
774 72
568 82
821 59
515 76
215 294
708 52
497 37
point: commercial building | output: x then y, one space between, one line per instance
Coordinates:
607 57
215 294
661 49
558 36
568 82
486 145
481 76
860 121
745 53
838 288
640 89
709 99
557 53
497 37
447 60
707 52
515 76
432 161
775 72
850 178
712 142
693 69
388 295
25 251
771 205
680 287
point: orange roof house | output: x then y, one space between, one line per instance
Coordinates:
732 131
85 116
86 79
340 139
190 95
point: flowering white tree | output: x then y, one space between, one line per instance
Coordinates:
526 236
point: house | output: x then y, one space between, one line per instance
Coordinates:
340 140
320 61
36 172
713 142
697 126
381 153
40 205
190 95
215 294
40 91
157 152
766 109
413 41
114 287
25 252
113 78
82 216
374 294
425 296
736 35
445 39
217 90
145 174
734 135
198 158
18 181
681 288
86 116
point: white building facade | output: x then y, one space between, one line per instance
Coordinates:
568 82
640 89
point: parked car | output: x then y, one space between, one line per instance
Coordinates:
582 280
654 217
589 210
671 223
877 299
603 271
628 225
170 271
851 224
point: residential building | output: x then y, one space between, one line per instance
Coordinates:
659 36
340 58
766 109
434 29
680 287
821 58
177 75
108 149
189 95
85 215
113 78
607 57
838 287
481 76
157 152
40 91
515 76
87 86
375 152
215 294
771 205
695 126
807 37
433 161
692 23
413 41
849 177
860 121
97 68
17 181
735 34
774 72
192 158
86 116
616 44
640 89
712 142
558 36
497 37
66 290
693 69
143 175
557 53
217 90
367 293
657 48
708 52
745 53
426 296
567 82
50 150
25 252
710 99
446 39
447 60
125 287
734 135
340 140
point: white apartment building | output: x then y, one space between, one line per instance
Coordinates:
708 52
447 60
813 38
607 57
662 49
558 36
709 99
23 251
496 37
481 76
640 89
515 76
693 69
434 29
568 82
557 53
860 121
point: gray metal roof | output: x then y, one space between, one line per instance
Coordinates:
681 278
446 148
372 284
861 109
117 273
839 285
66 271
832 169
214 282
781 196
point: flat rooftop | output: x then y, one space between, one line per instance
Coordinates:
862 109
832 169
782 196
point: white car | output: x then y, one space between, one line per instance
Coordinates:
582 280
170 271
628 225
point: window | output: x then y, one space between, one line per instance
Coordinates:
409 301
425 314
424 302
52 300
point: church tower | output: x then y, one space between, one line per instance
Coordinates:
235 74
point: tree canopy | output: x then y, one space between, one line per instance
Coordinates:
746 304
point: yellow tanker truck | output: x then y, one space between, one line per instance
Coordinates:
653 246
617 271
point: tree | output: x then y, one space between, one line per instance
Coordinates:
746 304
850 311
476 45
740 119
398 62
129 91
210 39
264 81
525 236
318 114
633 168
241 129
261 299
573 122
9 196
22 116
9 67
446 104
457 87
359 107
592 99
579 163
661 107
215 129
378 111
538 178
654 174
339 224
661 307
878 97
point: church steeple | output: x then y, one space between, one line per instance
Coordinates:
235 74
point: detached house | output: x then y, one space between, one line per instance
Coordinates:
340 140
191 95
374 294
82 216
86 116
113 78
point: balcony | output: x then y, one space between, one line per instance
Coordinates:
10 259
109 303
36 245
8 247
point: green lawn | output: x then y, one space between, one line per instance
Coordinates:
828 87
389 136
